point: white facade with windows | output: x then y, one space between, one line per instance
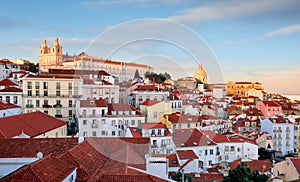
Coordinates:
282 132
52 95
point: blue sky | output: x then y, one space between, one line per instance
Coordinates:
250 40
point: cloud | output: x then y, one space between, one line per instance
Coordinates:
118 3
230 9
282 31
7 23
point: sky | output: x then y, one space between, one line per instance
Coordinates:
239 40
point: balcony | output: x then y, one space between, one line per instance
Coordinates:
94 125
154 146
47 106
57 105
29 105
58 115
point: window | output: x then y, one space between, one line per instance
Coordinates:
226 148
226 157
8 99
232 148
179 125
238 149
57 93
57 85
205 152
94 133
37 103
188 125
37 85
103 133
29 92
159 132
85 133
70 113
37 93
152 132
211 151
84 122
209 162
70 86
15 98
45 93
113 133
70 103
29 85
45 85
174 126
132 122
46 112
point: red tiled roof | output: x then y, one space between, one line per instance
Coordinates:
152 125
218 138
48 168
135 132
11 89
129 178
173 161
204 177
122 107
31 124
106 82
24 147
93 103
271 103
4 106
254 165
150 102
181 118
7 82
296 163
97 156
190 138
146 87
186 154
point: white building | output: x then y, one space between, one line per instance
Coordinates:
6 67
282 132
91 116
122 116
11 95
8 109
144 92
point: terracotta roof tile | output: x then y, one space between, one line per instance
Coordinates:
4 106
150 102
296 163
190 138
122 107
135 132
204 177
186 154
31 124
48 168
173 161
93 103
24 147
7 82
152 125
11 89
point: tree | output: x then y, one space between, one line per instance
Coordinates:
178 177
158 78
243 174
32 68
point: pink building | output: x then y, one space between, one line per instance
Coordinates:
269 108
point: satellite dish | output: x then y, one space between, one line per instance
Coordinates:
39 155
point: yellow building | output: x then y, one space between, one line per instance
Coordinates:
241 88
178 121
155 110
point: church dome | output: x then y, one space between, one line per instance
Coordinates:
200 74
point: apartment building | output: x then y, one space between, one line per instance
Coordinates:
53 95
